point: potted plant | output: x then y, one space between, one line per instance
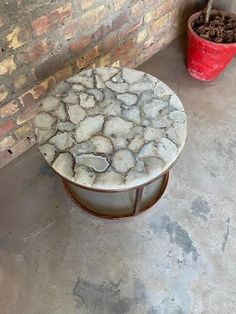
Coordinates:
211 42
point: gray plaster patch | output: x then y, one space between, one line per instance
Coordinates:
177 235
200 208
226 235
101 298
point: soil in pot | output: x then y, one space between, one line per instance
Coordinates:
219 29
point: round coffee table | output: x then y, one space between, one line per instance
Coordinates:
112 134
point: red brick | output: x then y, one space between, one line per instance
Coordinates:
162 10
79 45
86 4
93 17
47 22
120 21
130 30
123 50
36 51
9 109
102 32
3 92
2 21
6 143
35 93
28 114
51 65
88 58
70 30
63 73
24 131
6 127
151 3
137 9
19 81
111 42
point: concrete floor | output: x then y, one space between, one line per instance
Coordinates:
177 258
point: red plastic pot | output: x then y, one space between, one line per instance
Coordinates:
206 60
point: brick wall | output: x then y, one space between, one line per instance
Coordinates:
43 42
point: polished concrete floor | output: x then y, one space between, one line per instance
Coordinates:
177 258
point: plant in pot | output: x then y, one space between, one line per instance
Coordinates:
211 42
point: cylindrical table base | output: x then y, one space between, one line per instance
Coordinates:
117 205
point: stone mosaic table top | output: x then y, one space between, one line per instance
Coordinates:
111 128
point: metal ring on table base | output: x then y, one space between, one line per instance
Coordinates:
137 200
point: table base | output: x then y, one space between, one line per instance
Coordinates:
117 204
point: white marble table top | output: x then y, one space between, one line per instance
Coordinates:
111 128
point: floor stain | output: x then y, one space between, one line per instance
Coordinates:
200 208
105 298
226 235
177 235
45 170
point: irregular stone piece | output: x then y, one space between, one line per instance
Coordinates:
119 142
48 151
136 143
137 130
151 134
97 163
89 127
154 164
99 82
43 135
140 87
108 179
94 111
106 73
161 122
132 76
177 133
134 177
71 98
147 96
139 167
76 113
44 120
117 78
62 141
128 99
96 93
61 89
117 87
77 88
84 176
167 150
65 126
112 110
176 103
60 113
153 108
149 149
82 148
132 114
123 160
85 80
117 127
50 103
102 144
87 101
178 116
63 164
